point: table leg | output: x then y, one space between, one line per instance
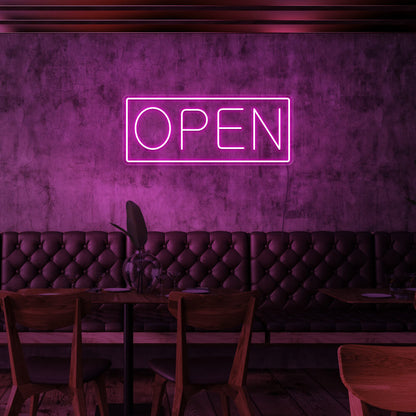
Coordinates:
128 360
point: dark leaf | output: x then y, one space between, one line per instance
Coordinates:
136 226
121 229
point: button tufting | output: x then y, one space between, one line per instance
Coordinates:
17 245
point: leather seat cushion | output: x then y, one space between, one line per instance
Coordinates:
107 317
152 317
204 370
365 320
156 318
55 370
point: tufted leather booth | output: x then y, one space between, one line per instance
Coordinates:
289 268
395 255
64 260
199 258
286 268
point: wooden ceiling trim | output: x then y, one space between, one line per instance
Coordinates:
208 16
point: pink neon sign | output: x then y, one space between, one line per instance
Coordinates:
220 130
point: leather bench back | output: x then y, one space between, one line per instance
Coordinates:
52 259
55 259
395 255
200 258
289 268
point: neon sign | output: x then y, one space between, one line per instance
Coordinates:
202 130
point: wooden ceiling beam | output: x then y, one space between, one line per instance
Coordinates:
208 16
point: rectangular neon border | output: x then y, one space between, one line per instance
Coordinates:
207 161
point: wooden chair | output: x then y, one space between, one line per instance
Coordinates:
224 375
380 376
32 376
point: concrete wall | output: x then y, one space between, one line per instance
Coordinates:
62 124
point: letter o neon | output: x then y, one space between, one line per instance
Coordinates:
137 134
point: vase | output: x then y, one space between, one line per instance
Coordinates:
141 271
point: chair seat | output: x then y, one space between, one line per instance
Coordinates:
55 370
204 370
394 393
382 376
360 319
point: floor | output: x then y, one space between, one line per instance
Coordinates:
274 392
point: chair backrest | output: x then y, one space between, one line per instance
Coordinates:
43 311
220 311
215 311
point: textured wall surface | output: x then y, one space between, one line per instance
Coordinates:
62 124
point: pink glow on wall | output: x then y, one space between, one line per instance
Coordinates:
203 130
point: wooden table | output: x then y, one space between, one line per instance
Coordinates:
355 295
128 299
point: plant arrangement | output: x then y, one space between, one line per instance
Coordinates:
141 271
136 226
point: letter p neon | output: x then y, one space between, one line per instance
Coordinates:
183 129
